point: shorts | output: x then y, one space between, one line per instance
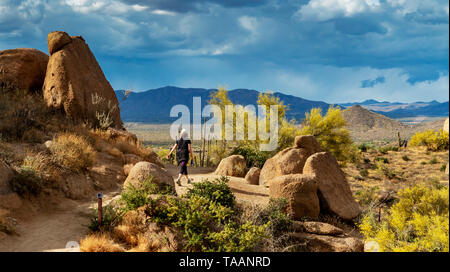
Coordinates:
183 169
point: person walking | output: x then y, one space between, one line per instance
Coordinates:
184 148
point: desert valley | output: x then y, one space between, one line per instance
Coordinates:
343 177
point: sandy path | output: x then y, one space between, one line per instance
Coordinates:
67 220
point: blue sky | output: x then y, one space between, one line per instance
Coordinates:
329 50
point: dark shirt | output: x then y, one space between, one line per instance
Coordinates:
183 150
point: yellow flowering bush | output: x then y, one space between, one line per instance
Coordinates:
432 140
418 222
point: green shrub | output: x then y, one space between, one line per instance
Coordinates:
405 158
433 160
21 112
132 198
443 167
418 222
111 217
364 173
381 159
276 214
386 149
367 196
366 160
385 171
207 220
432 140
26 181
218 192
253 156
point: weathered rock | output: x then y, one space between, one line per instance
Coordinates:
127 169
57 40
334 192
301 193
23 69
234 166
107 171
321 243
131 159
77 186
317 228
288 161
307 142
75 83
143 170
252 176
48 144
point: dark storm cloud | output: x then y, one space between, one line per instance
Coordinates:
193 5
285 45
369 83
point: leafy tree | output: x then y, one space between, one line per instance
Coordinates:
330 132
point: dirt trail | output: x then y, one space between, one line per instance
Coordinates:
67 220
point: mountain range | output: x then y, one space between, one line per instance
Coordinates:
153 106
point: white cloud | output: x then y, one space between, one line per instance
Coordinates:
322 10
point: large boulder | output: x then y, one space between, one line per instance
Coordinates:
75 83
288 161
323 243
252 176
334 192
308 142
143 170
317 228
301 193
23 69
234 166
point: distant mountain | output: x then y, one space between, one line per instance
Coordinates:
403 110
359 118
432 109
153 106
365 125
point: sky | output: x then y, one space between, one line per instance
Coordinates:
328 50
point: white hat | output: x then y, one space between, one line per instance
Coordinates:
184 134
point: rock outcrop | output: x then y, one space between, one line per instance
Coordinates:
311 181
144 170
252 176
234 166
75 83
323 243
23 69
301 193
334 191
290 160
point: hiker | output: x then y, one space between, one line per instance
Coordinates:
183 146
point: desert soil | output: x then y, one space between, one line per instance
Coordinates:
65 220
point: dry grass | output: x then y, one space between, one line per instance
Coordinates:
73 152
410 166
131 235
99 243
